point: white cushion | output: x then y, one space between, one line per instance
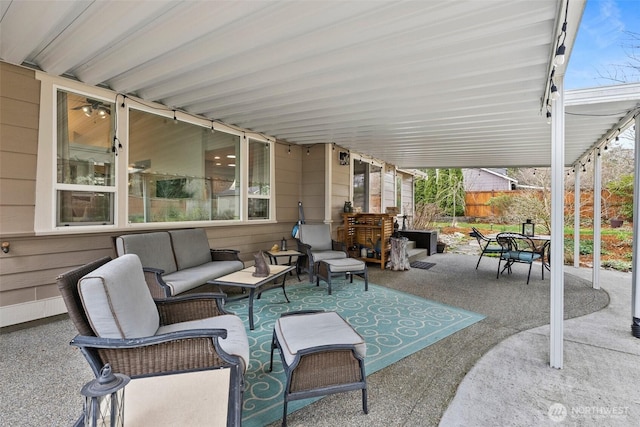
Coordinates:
190 247
236 342
304 331
117 300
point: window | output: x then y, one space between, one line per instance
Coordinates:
85 161
179 171
115 163
367 186
259 180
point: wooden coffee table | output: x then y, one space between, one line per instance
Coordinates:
245 279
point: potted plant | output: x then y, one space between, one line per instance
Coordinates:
441 247
616 222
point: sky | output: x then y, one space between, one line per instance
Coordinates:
603 42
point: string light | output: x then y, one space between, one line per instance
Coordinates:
554 91
308 150
175 119
212 129
548 117
289 150
559 58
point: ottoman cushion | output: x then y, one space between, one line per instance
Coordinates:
301 332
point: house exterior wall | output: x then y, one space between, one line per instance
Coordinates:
28 289
407 194
480 180
340 189
313 183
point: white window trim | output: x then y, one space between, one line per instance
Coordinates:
46 175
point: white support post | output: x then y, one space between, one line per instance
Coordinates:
635 293
576 219
597 219
556 332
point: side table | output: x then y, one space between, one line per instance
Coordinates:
290 253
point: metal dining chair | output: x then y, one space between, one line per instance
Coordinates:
487 245
517 248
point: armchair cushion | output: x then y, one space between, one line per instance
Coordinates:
318 236
236 342
153 249
117 301
191 247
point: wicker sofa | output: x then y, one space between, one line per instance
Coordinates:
178 261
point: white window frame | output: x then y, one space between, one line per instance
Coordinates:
46 176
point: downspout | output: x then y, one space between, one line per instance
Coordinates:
576 220
597 219
556 321
635 294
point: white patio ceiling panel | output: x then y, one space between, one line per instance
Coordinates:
417 84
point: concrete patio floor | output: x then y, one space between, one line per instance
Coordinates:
494 372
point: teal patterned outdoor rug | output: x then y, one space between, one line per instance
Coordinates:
394 325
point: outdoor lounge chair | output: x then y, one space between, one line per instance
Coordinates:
487 245
517 248
315 242
121 324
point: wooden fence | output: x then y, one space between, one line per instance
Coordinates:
477 203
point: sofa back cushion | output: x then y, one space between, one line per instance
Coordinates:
318 236
190 247
153 249
117 301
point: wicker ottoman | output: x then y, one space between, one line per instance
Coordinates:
347 266
321 354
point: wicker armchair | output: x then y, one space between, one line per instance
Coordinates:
175 347
315 242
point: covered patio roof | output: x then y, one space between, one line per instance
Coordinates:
415 84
